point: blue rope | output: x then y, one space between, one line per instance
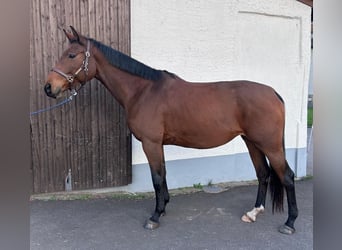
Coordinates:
69 99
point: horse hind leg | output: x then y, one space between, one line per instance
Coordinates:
282 177
288 182
263 172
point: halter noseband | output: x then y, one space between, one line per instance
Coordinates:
84 66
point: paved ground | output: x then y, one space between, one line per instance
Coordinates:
193 221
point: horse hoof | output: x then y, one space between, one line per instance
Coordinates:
246 218
286 230
151 225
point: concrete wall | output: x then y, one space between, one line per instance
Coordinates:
212 40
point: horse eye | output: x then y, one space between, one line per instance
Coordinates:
72 55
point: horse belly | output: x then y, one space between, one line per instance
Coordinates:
203 116
201 135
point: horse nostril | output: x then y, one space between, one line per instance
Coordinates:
47 89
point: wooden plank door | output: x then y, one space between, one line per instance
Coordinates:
88 135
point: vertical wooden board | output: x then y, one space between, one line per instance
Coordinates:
102 93
110 127
114 43
93 100
55 138
46 165
124 46
39 70
33 102
33 99
70 123
85 101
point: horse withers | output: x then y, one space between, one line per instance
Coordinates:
161 108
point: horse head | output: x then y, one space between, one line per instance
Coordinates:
75 67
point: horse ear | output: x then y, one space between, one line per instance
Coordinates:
75 33
73 37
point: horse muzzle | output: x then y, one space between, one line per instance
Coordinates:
48 91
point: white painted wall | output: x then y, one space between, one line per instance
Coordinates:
212 40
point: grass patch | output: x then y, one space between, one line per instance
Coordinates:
310 117
130 196
198 186
82 197
308 177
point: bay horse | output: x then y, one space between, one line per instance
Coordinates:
161 109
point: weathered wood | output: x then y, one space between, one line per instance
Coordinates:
88 135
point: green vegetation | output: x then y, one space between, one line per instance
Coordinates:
198 186
308 177
131 196
310 117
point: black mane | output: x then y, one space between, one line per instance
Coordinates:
126 63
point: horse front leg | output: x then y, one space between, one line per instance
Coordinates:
263 172
155 155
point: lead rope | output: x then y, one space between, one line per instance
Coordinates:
68 99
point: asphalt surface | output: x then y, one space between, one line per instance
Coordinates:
193 221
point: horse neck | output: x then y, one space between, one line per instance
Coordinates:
122 85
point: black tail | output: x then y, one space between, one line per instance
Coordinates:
277 192
276 187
